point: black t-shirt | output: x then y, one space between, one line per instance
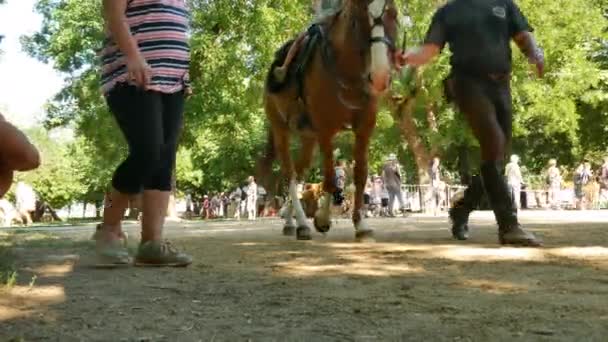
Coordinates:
479 33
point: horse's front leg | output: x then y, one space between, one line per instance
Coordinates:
362 230
281 140
322 219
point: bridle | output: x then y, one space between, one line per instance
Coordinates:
360 83
378 21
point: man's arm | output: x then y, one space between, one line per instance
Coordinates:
521 32
434 42
419 56
527 44
114 14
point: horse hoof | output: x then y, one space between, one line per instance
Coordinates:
289 230
322 227
365 236
303 233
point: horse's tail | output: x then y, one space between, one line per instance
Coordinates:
272 84
264 164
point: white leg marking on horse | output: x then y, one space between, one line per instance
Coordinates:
362 226
295 203
289 215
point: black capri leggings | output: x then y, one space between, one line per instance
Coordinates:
151 123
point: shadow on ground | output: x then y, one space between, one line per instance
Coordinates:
414 283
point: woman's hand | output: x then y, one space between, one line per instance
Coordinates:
139 71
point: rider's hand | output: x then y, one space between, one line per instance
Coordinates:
139 71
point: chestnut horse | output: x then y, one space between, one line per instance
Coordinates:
334 84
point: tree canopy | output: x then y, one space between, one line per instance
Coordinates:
562 116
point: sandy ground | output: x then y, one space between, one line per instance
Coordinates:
250 283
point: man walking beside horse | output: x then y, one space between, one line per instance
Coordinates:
479 34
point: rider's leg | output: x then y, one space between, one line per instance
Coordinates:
281 72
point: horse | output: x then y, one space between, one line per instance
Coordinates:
341 71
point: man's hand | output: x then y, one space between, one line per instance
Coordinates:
526 43
540 68
416 56
399 59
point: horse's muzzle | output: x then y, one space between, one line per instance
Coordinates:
379 82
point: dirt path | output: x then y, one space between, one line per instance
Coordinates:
250 283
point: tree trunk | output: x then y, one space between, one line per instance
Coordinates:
403 114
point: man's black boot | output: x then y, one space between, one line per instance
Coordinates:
510 231
462 208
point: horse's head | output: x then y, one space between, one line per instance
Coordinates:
375 29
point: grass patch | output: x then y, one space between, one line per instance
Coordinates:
8 271
25 239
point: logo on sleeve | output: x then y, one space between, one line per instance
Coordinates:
499 11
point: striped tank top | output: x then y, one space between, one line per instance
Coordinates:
160 29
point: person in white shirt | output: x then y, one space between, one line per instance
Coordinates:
514 179
252 198
554 182
25 199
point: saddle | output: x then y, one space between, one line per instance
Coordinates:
297 71
304 56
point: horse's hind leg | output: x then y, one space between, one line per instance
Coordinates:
289 228
362 230
281 140
322 219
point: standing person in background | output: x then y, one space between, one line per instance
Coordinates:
603 180
340 181
206 208
391 176
582 176
479 35
223 205
252 198
554 183
25 202
437 186
144 76
514 180
236 197
16 154
591 187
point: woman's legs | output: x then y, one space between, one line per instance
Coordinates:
138 114
157 190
